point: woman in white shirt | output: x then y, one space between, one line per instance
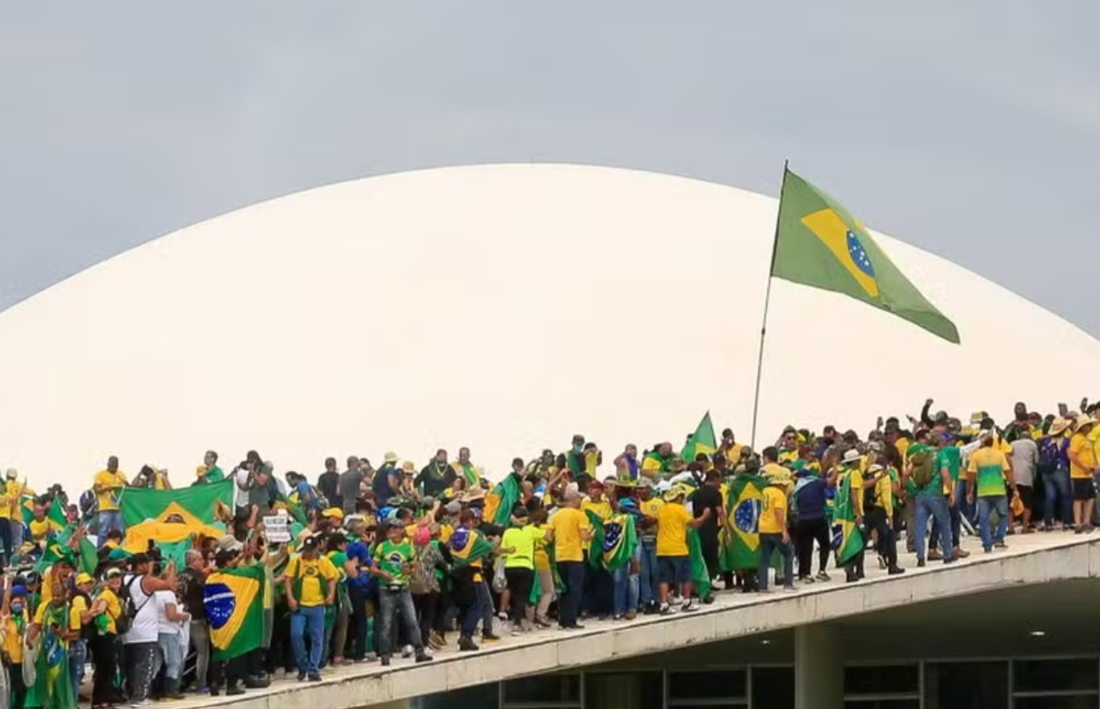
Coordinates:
169 620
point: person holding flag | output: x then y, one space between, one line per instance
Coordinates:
673 555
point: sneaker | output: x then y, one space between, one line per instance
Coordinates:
466 644
960 552
689 606
895 570
315 678
146 702
1089 529
503 616
822 576
1000 545
987 550
790 589
301 676
951 560
407 651
489 638
920 563
385 660
515 632
542 622
630 615
234 691
666 609
935 555
806 579
423 657
708 599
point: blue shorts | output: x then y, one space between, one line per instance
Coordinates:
674 569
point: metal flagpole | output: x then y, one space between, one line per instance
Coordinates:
767 298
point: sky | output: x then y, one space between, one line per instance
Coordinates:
969 129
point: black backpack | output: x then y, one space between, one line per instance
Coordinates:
129 611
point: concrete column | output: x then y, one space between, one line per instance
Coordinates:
818 667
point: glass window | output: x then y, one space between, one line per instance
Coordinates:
482 695
554 690
966 685
882 679
624 690
773 688
710 684
882 704
1055 675
1074 702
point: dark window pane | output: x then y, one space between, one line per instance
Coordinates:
709 704
882 679
883 704
1055 675
624 690
711 684
483 696
966 685
1079 702
544 689
773 688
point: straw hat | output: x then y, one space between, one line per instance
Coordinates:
1058 427
851 456
390 458
408 467
1083 421
474 494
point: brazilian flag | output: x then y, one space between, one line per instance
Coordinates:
195 505
847 538
500 501
740 538
53 684
234 604
702 441
818 243
468 546
614 541
700 575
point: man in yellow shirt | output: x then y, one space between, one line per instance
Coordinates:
1082 470
730 448
310 584
773 533
569 530
649 507
673 557
108 488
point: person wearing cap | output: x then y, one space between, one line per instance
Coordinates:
673 558
1054 473
1082 473
106 609
774 536
1025 461
109 484
649 507
360 537
569 530
878 513
392 560
54 621
82 615
387 481
141 639
598 584
15 621
310 584
987 472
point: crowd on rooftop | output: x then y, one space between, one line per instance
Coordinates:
407 559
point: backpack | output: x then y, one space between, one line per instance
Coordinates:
924 468
421 576
125 621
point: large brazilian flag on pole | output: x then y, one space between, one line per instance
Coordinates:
234 604
740 537
820 244
195 505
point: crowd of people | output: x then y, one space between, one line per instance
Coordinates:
405 560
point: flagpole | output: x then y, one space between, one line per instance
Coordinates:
767 299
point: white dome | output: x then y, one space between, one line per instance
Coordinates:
502 307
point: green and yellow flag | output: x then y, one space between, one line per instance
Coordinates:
702 441
740 539
820 244
613 540
195 505
700 575
468 546
500 501
847 537
234 604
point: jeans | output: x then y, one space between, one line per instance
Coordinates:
986 506
932 503
572 574
170 652
626 590
965 508
1056 485
647 579
78 658
770 543
485 606
16 534
5 539
200 638
144 658
391 604
955 513
311 619
105 522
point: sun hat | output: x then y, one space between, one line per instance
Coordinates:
1083 421
1058 427
408 467
851 456
390 457
229 543
645 482
11 474
473 495
83 578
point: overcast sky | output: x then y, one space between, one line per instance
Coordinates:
969 129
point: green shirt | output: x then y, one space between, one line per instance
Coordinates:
339 559
392 559
214 475
949 457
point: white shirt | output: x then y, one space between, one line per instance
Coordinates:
144 628
242 487
163 599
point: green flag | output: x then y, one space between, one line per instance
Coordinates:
468 546
820 244
501 500
740 539
844 517
613 540
196 505
699 572
702 441
234 603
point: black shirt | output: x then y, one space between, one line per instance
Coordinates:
435 478
329 486
704 498
191 590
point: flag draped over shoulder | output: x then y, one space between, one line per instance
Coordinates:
700 575
847 539
234 604
702 441
196 505
819 244
292 508
468 546
740 539
614 540
500 501
53 683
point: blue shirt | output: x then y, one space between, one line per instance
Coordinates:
359 551
811 498
305 493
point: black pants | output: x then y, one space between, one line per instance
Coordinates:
427 608
227 673
806 532
875 519
5 537
708 541
357 622
15 679
519 586
572 572
105 657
